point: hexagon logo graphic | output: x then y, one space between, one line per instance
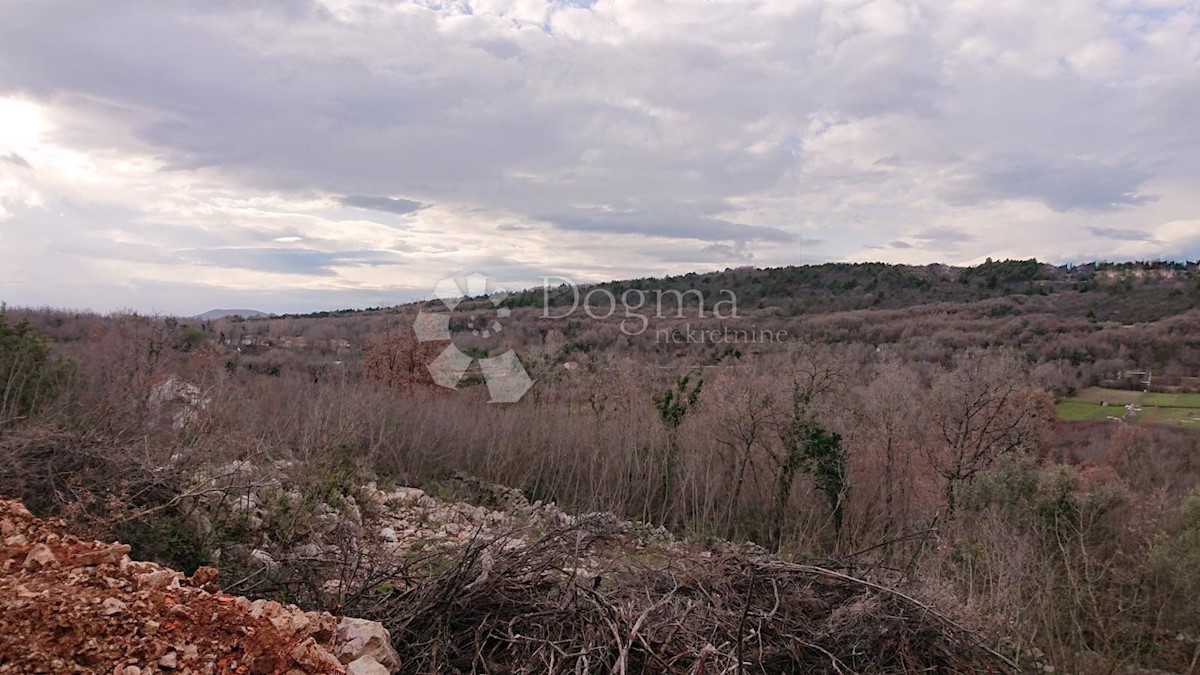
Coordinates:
506 378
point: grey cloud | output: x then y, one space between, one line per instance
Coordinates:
373 258
721 254
665 225
286 260
1063 184
109 250
296 119
1123 235
890 246
386 204
715 253
501 49
943 236
14 158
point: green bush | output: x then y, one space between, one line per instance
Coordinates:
194 337
29 377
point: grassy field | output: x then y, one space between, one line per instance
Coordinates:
1076 410
1172 400
1176 409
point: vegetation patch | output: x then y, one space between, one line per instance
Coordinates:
1098 403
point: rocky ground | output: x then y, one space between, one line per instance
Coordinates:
68 605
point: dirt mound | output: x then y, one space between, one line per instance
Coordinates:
76 606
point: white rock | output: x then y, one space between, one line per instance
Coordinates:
156 581
307 550
358 637
39 556
290 622
406 495
388 534
366 665
263 558
112 606
309 654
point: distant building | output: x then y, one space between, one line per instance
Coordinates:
1141 379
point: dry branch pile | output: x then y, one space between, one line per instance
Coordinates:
504 608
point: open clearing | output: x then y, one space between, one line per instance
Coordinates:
1152 408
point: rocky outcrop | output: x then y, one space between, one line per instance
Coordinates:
68 605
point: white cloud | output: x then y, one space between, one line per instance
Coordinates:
348 151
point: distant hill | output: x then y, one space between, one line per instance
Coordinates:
214 314
1128 292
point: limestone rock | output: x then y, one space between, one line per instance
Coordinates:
309 654
358 637
109 555
112 606
158 580
263 558
39 556
366 665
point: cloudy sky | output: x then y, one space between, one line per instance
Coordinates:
312 154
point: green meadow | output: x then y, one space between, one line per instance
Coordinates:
1089 404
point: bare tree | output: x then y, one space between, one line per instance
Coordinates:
889 416
396 358
983 408
739 413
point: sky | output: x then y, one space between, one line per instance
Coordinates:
295 155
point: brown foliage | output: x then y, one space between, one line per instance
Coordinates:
984 408
396 358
